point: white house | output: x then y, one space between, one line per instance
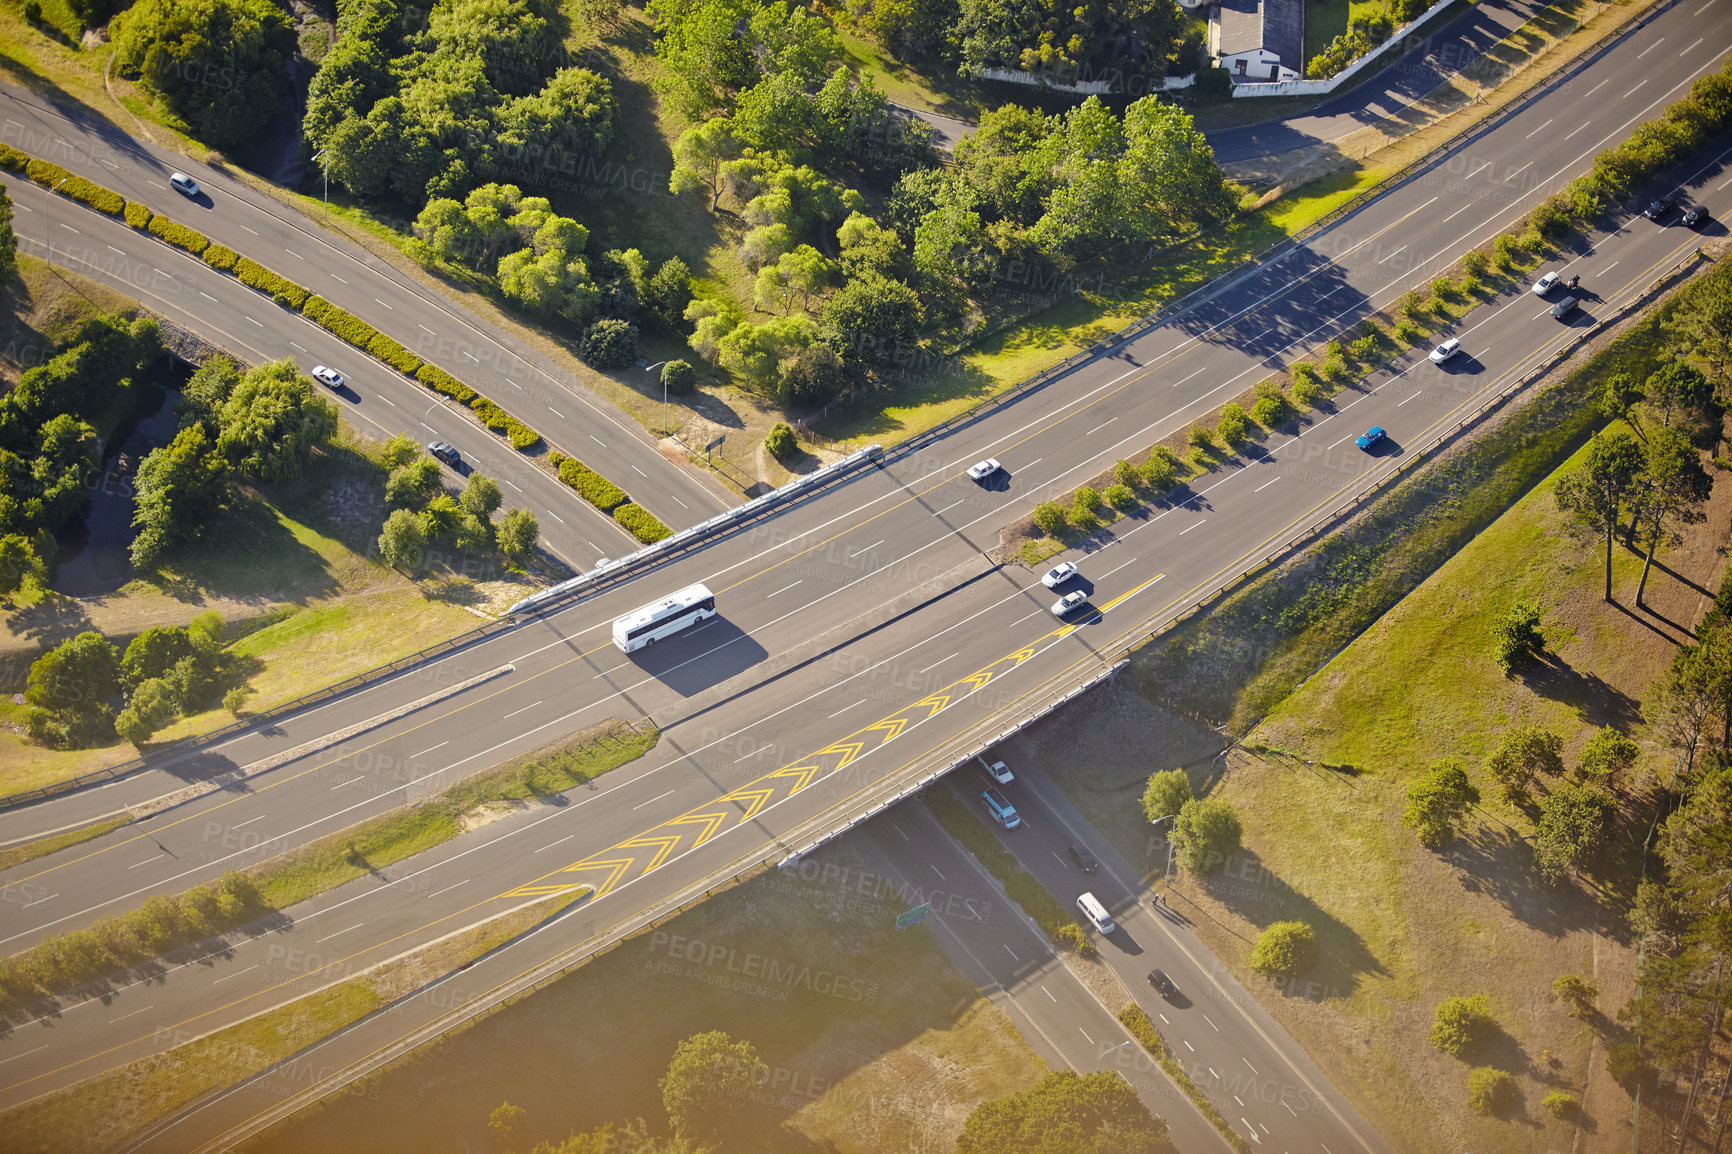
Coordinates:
1258 40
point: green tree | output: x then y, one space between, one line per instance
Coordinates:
1576 994
1049 518
403 542
412 485
1608 753
1284 949
1439 799
73 683
1461 1025
1523 754
517 535
699 154
706 1086
1233 426
1594 492
1066 1113
1673 486
440 517
1166 794
208 390
222 65
679 378
153 653
19 564
1205 834
399 451
1706 325
1574 823
1492 1091
570 118
871 319
609 343
273 421
481 495
1517 639
780 442
151 707
180 490
1161 471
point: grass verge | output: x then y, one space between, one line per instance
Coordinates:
42 847
100 1113
874 1040
1143 1030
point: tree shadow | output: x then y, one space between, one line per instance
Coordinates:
1495 862
1595 701
1257 893
50 621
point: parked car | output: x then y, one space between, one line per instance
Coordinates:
1059 574
997 771
1001 810
981 470
1695 216
1546 284
1658 207
1562 310
1085 861
330 378
1446 350
444 452
184 184
1371 438
1068 604
1163 985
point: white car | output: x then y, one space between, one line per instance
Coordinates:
183 184
330 378
997 771
1067 604
1445 351
1546 284
984 469
1058 575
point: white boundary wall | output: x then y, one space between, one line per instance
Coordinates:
1321 87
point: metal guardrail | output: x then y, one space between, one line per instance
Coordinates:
1250 264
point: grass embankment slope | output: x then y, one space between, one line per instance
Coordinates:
893 1059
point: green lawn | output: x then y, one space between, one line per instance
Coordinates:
894 1062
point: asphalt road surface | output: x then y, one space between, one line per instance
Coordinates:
865 638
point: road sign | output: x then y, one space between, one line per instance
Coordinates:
715 444
909 917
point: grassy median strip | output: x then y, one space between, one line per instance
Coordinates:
100 1112
1143 1030
164 923
1020 885
42 847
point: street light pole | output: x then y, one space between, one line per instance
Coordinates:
326 168
427 414
652 369
48 218
1167 875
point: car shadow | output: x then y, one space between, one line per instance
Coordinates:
999 482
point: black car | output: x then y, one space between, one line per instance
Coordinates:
444 452
1695 216
1658 208
1562 310
1163 984
1085 861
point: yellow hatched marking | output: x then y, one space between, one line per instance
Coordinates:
666 842
892 729
802 774
846 751
710 822
754 800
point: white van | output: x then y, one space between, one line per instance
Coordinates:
1095 913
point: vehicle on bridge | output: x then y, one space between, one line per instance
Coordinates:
664 618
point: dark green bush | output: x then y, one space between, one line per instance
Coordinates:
641 523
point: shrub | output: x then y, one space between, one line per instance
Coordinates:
76 187
641 523
33 11
1087 500
278 288
1472 286
1335 370
137 215
1125 473
1408 333
1049 518
221 258
1121 497
1070 937
1461 1024
1269 411
781 442
1365 350
12 160
1476 264
179 235
1442 289
1576 995
235 699
1161 471
1491 1090
679 378
1232 425
394 354
1199 436
1284 950
609 343
334 320
590 485
521 435
438 380
1561 1105
1505 251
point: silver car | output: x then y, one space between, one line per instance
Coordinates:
184 184
1069 603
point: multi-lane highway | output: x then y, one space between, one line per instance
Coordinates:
865 636
510 371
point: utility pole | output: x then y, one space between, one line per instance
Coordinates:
326 169
652 369
48 218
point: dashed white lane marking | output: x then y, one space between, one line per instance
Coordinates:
377 301
1100 426
236 974
939 662
1698 41
250 230
556 412
1650 47
255 322
449 888
515 712
111 248
845 709
561 841
1048 993
1085 1034
1573 131
1633 91
339 933
783 589
1538 130
1182 532
1011 952
25 1054
641 473
556 516
655 799
386 399
430 749
134 1013
294 254
1264 485
145 862
868 549
1393 255
334 276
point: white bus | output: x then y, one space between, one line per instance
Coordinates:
664 618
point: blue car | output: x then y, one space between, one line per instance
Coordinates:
1370 437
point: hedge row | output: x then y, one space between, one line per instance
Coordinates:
179 235
443 382
394 354
590 485
79 189
279 288
329 317
137 215
1133 1019
221 258
12 160
641 523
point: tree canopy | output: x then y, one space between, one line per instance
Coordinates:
222 65
1066 1113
